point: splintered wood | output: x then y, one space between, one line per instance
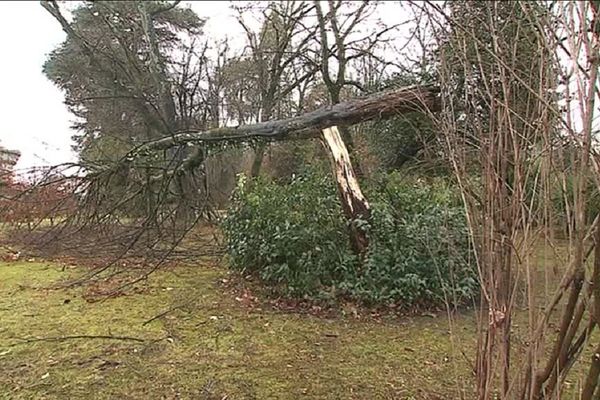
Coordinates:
354 203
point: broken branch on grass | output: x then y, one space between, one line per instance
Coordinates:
69 337
162 314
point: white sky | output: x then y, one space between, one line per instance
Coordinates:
34 119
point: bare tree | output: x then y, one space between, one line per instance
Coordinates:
344 39
274 54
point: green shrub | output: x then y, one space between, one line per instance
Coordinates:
419 246
294 236
290 234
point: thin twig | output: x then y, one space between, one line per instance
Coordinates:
162 314
69 337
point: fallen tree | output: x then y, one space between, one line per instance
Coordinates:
380 105
321 123
149 190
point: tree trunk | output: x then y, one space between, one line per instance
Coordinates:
261 148
590 385
159 77
354 204
259 155
380 105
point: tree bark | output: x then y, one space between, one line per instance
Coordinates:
591 381
259 155
354 203
590 385
261 148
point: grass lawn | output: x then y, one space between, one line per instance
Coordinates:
212 346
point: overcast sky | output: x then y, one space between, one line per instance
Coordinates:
34 119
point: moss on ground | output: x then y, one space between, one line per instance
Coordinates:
212 346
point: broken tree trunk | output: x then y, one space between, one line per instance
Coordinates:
354 203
